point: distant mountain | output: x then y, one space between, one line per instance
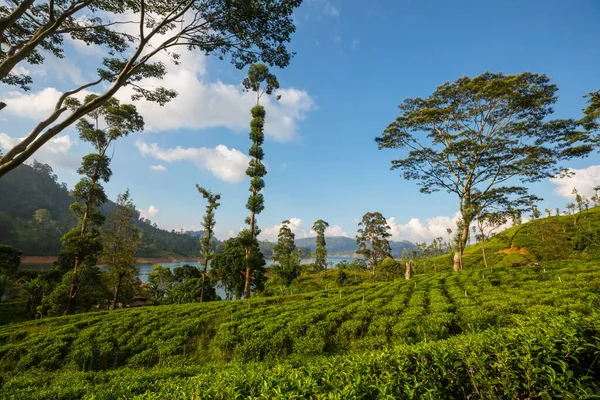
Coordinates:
29 188
347 246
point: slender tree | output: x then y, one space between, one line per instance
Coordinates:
372 239
261 82
596 197
208 223
487 224
471 137
83 241
286 254
120 241
246 31
321 251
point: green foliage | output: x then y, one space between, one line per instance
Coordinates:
261 81
389 269
321 250
371 238
246 32
161 279
229 268
355 318
471 136
10 259
120 241
93 291
208 223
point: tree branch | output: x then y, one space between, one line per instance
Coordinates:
14 16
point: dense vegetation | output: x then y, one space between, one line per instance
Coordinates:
28 189
356 319
514 315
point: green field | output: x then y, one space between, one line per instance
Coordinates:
536 325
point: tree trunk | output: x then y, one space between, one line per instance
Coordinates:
203 281
247 281
116 293
462 243
483 250
73 290
408 271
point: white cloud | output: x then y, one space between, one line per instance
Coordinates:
55 152
227 164
584 181
35 105
271 233
416 230
335 230
150 212
330 9
159 168
355 44
202 105
300 231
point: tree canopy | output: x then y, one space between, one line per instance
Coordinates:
371 238
471 137
135 34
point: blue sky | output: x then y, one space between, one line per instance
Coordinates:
355 62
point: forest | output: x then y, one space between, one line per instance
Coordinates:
504 303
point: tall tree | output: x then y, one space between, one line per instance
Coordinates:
286 254
471 137
246 31
120 241
83 241
261 81
229 267
321 251
372 239
208 223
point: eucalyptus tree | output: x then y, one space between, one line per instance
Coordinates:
208 223
83 241
321 251
286 254
372 238
121 239
474 137
262 82
134 35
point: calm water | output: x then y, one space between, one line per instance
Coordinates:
146 268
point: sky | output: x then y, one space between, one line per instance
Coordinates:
355 62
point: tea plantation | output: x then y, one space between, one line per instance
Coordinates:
503 332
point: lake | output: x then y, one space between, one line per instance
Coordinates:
145 269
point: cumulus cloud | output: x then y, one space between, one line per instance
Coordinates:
272 232
34 105
55 152
159 168
335 230
227 164
202 105
416 230
152 211
299 230
584 180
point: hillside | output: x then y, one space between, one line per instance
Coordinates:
341 245
30 188
434 330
